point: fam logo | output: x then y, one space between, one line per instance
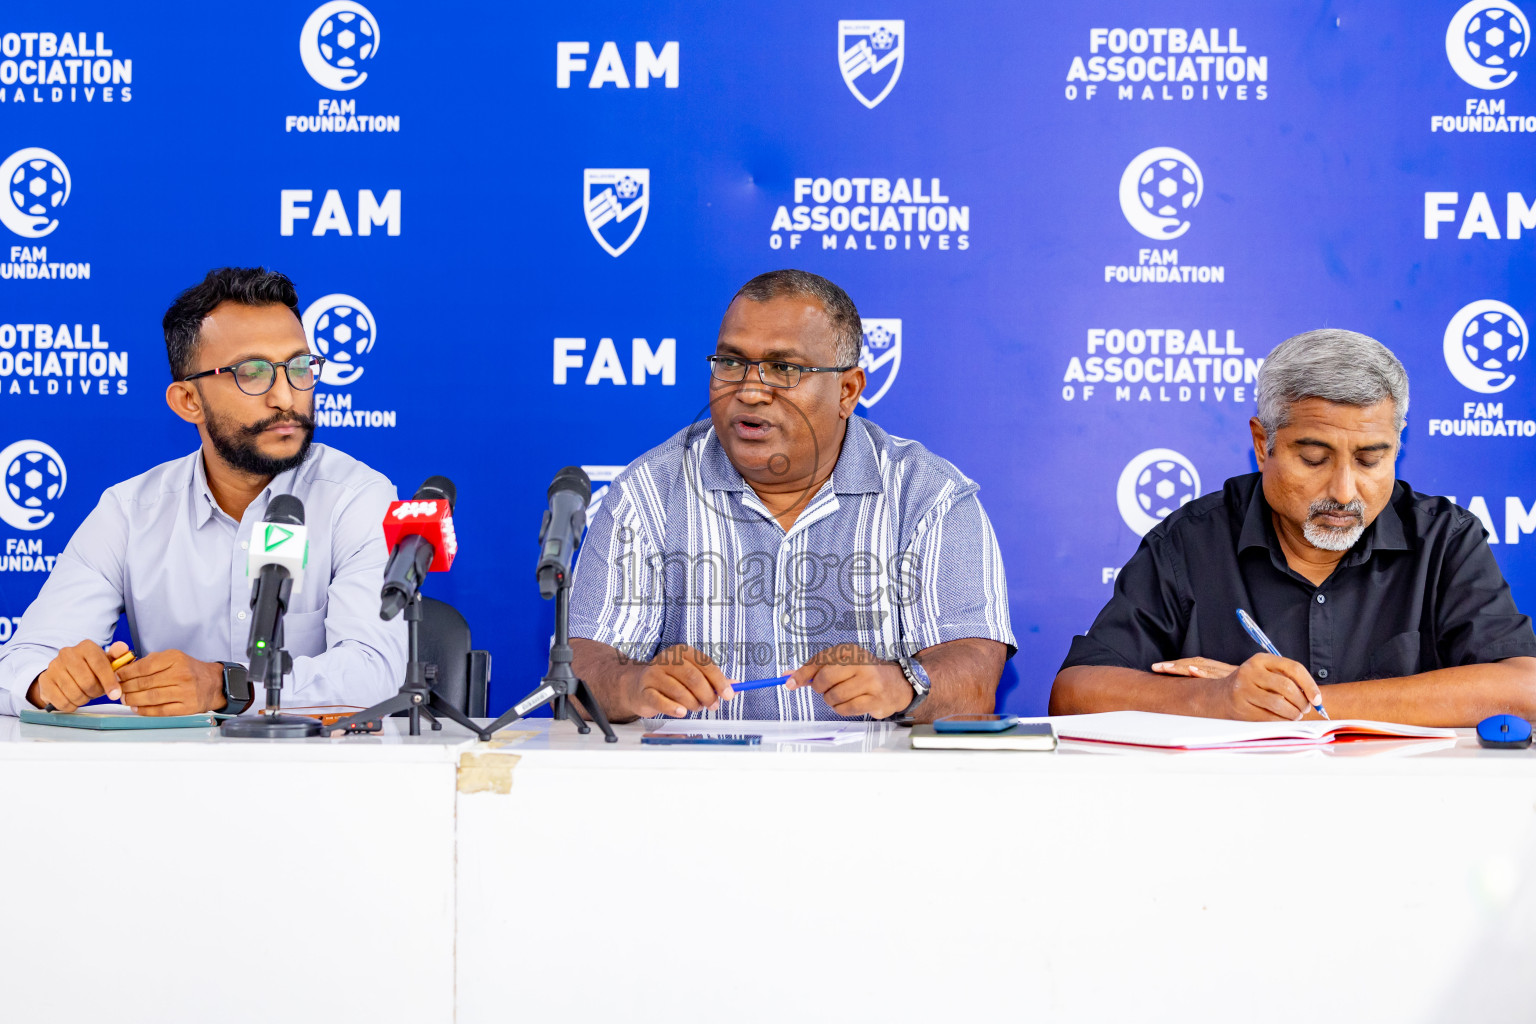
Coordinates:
880 358
32 479
36 186
1485 40
1153 485
343 330
1158 190
337 42
870 55
1484 343
617 200
62 67
604 475
1168 64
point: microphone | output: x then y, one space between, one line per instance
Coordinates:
419 533
277 557
564 520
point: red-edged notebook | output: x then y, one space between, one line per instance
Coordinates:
1184 732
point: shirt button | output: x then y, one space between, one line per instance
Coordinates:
1322 673
1321 599
245 545
241 616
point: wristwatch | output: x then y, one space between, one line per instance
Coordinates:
238 693
917 678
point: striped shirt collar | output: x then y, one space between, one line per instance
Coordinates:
856 472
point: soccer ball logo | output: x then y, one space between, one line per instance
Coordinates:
627 188
37 187
879 336
336 41
1483 41
1168 187
1158 189
1153 485
882 38
36 184
32 479
342 329
1483 342
346 40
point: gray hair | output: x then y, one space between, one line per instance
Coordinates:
1336 366
835 303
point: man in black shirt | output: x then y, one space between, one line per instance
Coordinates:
1388 597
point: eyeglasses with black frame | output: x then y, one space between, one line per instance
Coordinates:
775 373
256 376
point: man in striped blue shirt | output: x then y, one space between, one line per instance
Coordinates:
788 536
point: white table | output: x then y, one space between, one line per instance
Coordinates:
1368 882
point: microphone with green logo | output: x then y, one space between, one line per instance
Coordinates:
278 554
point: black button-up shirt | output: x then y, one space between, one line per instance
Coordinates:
1420 590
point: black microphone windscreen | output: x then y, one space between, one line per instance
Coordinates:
572 478
439 487
285 508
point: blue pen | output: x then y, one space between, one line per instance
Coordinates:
1263 641
759 684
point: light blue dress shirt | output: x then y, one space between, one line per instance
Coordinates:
160 548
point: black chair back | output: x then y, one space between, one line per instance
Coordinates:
462 672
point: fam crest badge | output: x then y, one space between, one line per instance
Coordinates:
617 200
881 358
870 54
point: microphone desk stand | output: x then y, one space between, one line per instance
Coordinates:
416 698
271 724
561 685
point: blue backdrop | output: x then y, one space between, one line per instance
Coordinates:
1074 230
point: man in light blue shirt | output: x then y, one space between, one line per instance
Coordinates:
169 547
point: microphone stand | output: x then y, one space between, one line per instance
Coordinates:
271 724
560 685
416 698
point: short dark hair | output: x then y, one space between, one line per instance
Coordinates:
247 286
839 308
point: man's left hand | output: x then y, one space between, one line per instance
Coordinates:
854 682
172 683
1199 668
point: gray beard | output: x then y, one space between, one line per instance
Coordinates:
1329 538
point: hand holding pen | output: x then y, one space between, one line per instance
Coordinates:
1313 694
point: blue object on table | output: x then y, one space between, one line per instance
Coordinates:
1509 731
975 723
1263 641
759 684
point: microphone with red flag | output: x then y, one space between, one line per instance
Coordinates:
420 536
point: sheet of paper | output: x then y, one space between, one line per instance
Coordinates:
834 733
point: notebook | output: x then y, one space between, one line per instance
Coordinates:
117 716
1184 732
1021 736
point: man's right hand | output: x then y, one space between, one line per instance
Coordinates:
77 676
678 680
1265 688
